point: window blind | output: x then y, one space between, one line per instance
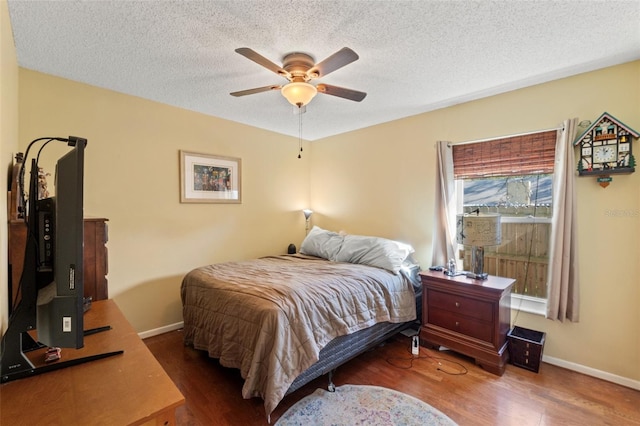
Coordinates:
533 153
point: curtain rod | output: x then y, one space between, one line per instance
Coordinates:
450 144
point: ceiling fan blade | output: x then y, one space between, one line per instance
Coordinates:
338 60
261 60
256 90
341 92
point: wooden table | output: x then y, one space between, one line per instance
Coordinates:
126 389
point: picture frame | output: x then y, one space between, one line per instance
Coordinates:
206 178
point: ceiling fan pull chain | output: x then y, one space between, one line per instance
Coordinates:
300 132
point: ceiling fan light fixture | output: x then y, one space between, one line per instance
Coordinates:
299 93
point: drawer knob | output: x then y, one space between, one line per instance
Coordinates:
457 304
457 324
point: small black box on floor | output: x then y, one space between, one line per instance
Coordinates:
525 348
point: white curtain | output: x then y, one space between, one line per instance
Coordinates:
563 290
445 207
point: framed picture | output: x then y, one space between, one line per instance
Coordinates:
208 178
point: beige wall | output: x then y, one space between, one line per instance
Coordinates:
132 178
8 138
381 181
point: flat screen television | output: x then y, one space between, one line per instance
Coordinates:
59 317
51 285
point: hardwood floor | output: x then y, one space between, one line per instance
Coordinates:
447 381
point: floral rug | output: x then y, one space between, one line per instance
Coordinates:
362 405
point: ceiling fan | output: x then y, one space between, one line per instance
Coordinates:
299 69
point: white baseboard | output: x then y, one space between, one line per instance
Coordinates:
161 330
624 381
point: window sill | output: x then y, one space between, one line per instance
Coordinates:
532 305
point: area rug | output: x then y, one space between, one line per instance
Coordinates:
362 405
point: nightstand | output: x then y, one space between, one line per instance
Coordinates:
469 316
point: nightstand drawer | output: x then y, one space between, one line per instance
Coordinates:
460 324
460 305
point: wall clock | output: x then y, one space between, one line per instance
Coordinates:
606 148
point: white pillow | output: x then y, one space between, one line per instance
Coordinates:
373 251
321 243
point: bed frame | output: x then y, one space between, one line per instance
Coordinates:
344 348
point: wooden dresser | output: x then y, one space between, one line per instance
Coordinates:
468 316
96 265
131 388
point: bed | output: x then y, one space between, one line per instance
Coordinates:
286 320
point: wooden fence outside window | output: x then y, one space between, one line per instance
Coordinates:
524 252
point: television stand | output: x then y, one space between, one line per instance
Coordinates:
17 365
91 331
57 365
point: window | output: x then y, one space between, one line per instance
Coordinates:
513 177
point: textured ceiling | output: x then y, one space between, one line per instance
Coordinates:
415 56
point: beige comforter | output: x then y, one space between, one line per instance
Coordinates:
270 317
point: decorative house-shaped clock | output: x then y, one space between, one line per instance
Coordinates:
606 148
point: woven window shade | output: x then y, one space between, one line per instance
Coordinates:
517 155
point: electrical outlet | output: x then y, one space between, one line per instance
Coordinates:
415 346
